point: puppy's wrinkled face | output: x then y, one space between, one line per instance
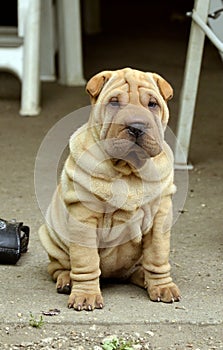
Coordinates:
135 133
134 116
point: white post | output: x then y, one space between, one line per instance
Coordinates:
190 86
31 61
70 43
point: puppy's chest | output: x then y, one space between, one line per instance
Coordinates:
128 207
126 193
118 227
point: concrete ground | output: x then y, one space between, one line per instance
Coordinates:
197 237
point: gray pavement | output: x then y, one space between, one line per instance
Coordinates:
197 237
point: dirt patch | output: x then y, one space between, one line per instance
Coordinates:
81 337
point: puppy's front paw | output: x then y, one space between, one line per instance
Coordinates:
166 293
85 301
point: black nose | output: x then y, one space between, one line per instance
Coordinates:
136 129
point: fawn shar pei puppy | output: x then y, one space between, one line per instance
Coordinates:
111 213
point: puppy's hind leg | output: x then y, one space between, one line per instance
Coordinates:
60 275
59 266
138 277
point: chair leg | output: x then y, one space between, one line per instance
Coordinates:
190 86
30 104
47 42
70 48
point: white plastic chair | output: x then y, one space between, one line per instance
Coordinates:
29 50
20 53
199 29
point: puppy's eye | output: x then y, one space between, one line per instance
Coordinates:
114 102
153 104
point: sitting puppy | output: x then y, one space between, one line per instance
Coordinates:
111 213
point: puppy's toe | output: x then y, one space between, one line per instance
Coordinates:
64 289
63 285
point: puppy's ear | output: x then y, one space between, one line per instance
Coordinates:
96 83
164 87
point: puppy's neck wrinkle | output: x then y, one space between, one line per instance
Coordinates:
123 167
